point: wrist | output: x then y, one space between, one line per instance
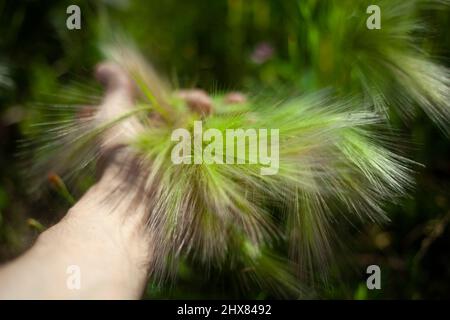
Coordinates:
105 235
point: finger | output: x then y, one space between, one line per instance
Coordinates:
118 100
119 90
235 98
197 100
114 78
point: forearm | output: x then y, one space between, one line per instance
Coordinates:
99 236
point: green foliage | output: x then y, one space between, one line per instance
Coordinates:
350 166
387 65
330 163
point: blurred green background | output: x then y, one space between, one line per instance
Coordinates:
245 45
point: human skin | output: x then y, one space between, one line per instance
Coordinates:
107 240
109 245
103 235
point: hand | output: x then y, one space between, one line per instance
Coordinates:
105 239
104 234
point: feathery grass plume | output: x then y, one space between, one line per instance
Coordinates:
386 64
331 168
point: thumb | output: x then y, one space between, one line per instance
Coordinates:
119 99
119 89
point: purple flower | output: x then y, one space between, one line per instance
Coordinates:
262 52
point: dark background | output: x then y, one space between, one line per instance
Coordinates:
215 45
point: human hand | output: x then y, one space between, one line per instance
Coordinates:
104 234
